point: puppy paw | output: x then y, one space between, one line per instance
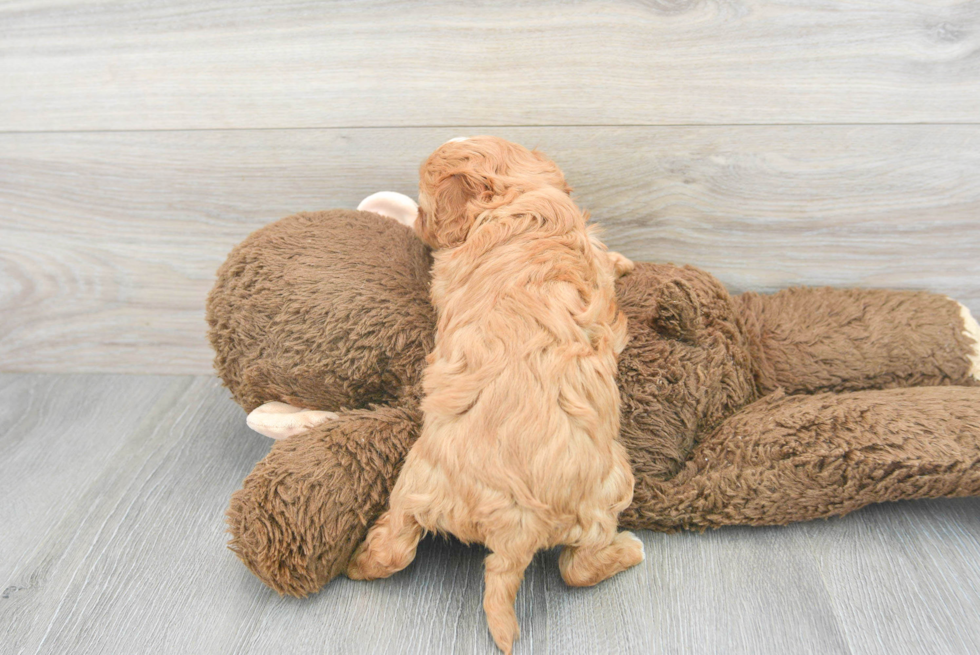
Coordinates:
633 551
584 567
972 330
357 569
621 265
279 420
364 566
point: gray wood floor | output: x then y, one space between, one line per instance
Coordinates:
114 490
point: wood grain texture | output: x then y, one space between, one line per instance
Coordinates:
115 490
140 545
57 436
920 551
109 241
194 64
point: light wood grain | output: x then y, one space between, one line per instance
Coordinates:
114 542
923 551
139 548
223 64
58 433
738 590
109 242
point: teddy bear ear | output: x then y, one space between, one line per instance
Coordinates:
391 205
678 313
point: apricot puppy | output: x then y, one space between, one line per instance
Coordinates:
518 447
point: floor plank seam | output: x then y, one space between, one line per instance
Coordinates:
507 126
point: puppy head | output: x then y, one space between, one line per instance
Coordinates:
466 177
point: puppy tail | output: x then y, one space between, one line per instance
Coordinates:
503 578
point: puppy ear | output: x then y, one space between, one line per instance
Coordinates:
460 196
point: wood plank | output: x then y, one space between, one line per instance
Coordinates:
735 590
137 562
194 64
109 241
739 591
57 434
904 577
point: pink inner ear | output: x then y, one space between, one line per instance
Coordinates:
393 205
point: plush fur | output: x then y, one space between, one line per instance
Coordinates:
751 409
360 288
518 448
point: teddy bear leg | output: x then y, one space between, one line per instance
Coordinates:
307 505
796 458
806 340
390 547
589 564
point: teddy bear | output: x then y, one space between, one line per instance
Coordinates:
736 409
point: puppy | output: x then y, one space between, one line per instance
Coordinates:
519 446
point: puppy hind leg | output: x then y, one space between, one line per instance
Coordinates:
503 577
588 564
388 548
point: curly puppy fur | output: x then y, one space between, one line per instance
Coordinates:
518 447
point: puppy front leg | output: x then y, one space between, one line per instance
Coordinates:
618 264
621 265
389 547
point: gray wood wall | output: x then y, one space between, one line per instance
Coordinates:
774 143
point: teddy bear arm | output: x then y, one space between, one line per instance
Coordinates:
797 458
305 507
806 340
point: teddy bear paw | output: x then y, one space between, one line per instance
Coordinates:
972 330
279 420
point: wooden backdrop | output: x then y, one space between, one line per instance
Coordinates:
774 143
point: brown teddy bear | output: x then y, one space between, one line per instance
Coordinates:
750 409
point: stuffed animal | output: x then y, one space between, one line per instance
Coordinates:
749 409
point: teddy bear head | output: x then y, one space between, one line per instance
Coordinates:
324 310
